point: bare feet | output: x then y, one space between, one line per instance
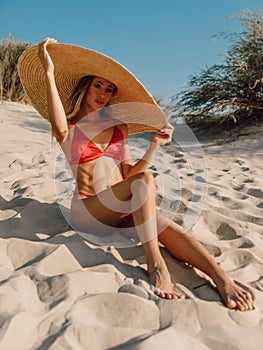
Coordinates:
162 285
235 295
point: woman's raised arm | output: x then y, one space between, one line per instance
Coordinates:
56 110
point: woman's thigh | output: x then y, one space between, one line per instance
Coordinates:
109 208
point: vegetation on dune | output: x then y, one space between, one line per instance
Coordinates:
10 86
231 93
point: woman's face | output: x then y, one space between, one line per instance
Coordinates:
99 94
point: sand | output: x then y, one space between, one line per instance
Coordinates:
61 291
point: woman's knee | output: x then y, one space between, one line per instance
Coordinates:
147 177
142 186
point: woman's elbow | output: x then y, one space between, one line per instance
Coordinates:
60 135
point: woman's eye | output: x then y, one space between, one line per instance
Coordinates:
109 90
97 86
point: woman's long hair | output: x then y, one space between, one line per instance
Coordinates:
78 95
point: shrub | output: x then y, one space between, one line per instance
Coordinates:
232 92
10 86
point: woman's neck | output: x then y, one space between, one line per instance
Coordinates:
94 116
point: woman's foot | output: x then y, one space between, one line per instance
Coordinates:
235 294
162 285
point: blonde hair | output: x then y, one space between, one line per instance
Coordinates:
78 95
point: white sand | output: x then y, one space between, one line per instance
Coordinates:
59 291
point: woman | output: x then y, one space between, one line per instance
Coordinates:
114 192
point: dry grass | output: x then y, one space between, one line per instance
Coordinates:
11 88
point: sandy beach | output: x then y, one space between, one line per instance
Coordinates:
62 290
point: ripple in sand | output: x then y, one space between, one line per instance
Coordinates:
104 319
21 252
133 289
246 319
7 214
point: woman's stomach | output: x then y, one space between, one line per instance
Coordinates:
97 176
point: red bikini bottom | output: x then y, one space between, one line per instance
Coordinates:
86 195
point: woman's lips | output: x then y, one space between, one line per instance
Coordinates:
99 102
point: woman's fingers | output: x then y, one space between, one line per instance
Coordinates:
47 41
44 55
166 131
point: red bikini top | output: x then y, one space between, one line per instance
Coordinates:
84 150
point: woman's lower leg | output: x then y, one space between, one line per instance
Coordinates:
145 220
185 247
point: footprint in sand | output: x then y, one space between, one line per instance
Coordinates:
258 284
232 203
52 289
37 160
178 155
249 180
195 198
244 197
166 203
247 243
239 258
240 162
200 179
255 192
187 194
182 160
212 249
239 187
226 232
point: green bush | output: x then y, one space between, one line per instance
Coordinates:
10 86
230 93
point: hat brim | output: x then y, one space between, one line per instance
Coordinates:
71 64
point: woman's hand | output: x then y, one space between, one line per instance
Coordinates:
164 135
44 55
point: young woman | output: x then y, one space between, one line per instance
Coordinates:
114 192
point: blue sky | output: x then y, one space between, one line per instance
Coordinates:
162 42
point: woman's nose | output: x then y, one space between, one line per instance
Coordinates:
101 93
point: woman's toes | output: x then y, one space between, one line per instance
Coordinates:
243 306
169 296
236 295
180 296
231 303
246 300
243 301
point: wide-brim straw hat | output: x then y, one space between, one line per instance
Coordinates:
135 105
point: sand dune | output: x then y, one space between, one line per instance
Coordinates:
60 291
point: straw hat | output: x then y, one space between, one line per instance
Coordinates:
71 64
